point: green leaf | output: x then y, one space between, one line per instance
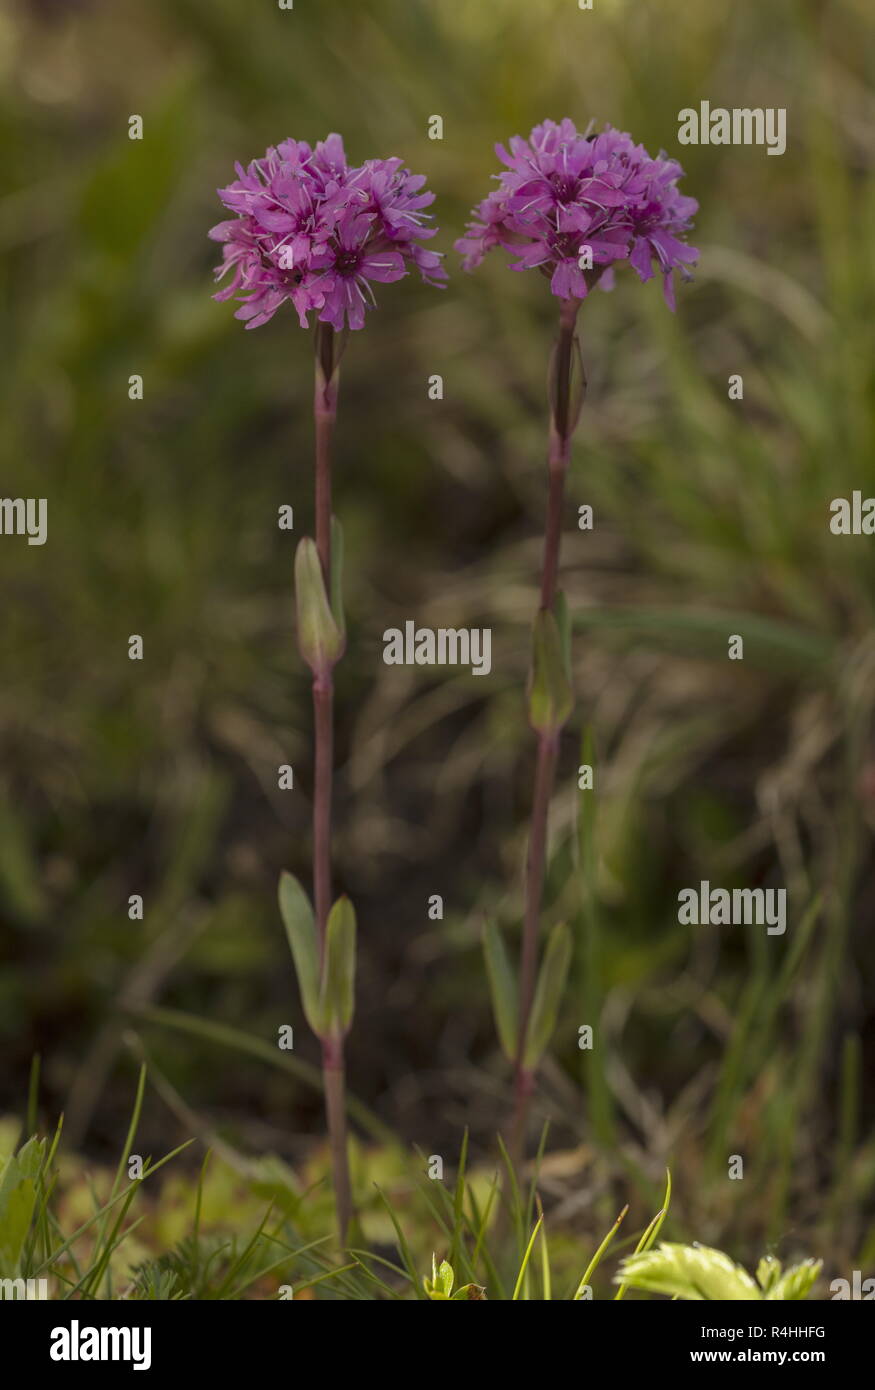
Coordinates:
797 1282
300 925
699 1274
444 1277
338 979
439 1288
652 1230
551 983
18 1204
319 638
521 1277
768 1273
597 1257
503 988
550 698
694 1273
18 1185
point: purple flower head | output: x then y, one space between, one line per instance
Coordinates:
314 230
572 205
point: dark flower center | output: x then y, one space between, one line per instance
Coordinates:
564 186
566 245
346 262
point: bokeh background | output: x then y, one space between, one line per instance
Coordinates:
712 518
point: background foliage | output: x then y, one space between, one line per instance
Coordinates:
712 517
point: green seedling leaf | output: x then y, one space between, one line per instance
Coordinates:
503 988
338 978
439 1287
319 638
550 697
545 1006
300 925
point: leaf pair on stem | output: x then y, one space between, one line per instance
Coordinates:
548 993
327 985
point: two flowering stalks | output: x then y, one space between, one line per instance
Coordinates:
572 205
313 230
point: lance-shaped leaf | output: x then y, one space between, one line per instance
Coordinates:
550 698
319 638
545 1006
503 988
300 925
338 973
337 577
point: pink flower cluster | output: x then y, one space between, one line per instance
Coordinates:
310 228
562 192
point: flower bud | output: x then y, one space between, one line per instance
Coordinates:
320 639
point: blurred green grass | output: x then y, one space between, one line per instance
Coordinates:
711 518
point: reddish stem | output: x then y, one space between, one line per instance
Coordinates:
323 706
561 429
325 416
333 1072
